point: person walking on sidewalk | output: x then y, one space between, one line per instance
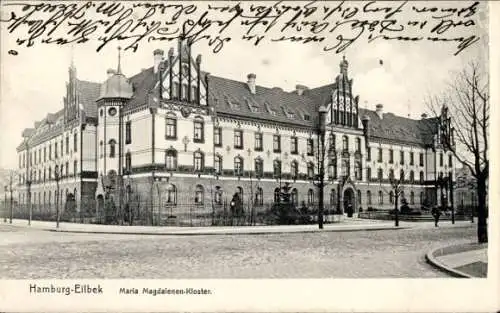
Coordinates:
436 213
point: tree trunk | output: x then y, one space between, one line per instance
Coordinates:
482 225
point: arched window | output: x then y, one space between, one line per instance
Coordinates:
345 167
50 198
310 197
198 161
239 190
402 176
391 197
218 164
238 166
380 197
368 173
310 170
44 199
74 194
345 143
332 167
294 169
75 142
380 174
259 196
128 162
67 169
171 194
332 141
112 147
199 134
218 195
358 173
276 195
412 177
101 149
333 198
421 197
412 198
358 145
75 167
277 168
259 167
295 197
199 194
359 196
421 177
171 159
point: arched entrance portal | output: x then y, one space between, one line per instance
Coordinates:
349 203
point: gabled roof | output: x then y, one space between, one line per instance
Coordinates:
142 83
88 94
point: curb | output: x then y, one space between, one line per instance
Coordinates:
429 257
231 233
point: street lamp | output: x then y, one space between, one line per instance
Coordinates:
320 182
57 178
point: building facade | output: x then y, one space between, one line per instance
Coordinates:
175 136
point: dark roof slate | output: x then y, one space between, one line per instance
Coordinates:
89 93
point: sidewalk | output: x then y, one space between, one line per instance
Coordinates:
348 224
466 260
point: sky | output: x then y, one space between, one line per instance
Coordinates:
33 81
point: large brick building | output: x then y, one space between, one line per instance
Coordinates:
174 136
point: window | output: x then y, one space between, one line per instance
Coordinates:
184 92
369 196
391 197
412 177
171 159
238 166
194 94
258 141
67 169
421 177
380 197
332 168
175 90
310 170
294 169
358 170
50 173
218 137
421 197
346 168
441 159
412 198
310 146
198 161
401 176
171 127
310 197
112 147
277 143
369 154
277 168
401 157
44 154
345 143
402 196
55 150
358 145
198 194
239 191
391 156
199 135
380 157
128 130
259 196
412 159
331 140
218 195
276 195
450 160
259 167
368 173
295 197
75 167
128 162
67 144
421 159
238 139
101 149
359 196
112 111
294 147
218 164
171 194
391 174
333 200
62 146
380 174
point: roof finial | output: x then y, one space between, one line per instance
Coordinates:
119 69
72 56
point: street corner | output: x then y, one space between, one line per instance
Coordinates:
469 260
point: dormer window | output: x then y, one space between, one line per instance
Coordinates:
270 110
307 117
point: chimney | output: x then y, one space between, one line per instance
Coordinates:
110 72
424 116
251 82
300 89
379 109
158 57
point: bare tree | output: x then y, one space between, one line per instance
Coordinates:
465 133
394 187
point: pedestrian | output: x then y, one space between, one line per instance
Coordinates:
436 213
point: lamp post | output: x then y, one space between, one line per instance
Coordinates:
57 177
320 183
5 189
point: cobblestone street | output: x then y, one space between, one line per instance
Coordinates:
29 253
